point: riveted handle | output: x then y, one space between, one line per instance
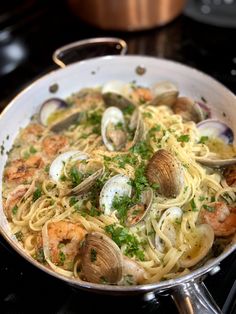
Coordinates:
193 298
88 48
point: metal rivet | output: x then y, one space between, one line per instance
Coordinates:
215 270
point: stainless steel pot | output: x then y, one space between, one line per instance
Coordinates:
128 15
189 291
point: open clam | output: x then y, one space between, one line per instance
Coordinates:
164 93
189 109
168 226
137 212
118 185
117 93
101 259
117 189
133 273
83 183
166 171
219 138
55 114
203 241
113 130
115 133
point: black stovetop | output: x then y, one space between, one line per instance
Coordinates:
30 31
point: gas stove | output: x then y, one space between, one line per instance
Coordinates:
30 31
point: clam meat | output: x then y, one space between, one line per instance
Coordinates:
115 132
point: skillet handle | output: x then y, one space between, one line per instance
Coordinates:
88 48
193 298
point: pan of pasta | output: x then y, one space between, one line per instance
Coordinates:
118 175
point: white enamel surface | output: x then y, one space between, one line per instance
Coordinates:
117 185
190 82
57 165
111 115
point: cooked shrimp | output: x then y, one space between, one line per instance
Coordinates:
64 242
141 95
52 144
221 217
20 170
230 175
14 197
32 132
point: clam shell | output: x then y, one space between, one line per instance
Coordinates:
214 128
112 115
170 216
134 218
133 271
101 259
188 109
117 185
116 93
204 242
87 183
165 93
165 170
137 124
58 163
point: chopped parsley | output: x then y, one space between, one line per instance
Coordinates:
14 210
19 235
183 138
46 169
75 176
213 199
152 131
208 208
62 258
203 139
32 150
121 236
94 118
26 155
143 149
193 205
128 110
140 182
39 256
147 114
201 198
93 255
37 193
73 200
122 204
122 160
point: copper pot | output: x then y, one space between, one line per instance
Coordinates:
128 15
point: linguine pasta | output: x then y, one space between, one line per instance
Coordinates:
166 243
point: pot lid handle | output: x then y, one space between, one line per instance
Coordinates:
88 48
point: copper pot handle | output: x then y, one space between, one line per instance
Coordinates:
193 298
77 51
